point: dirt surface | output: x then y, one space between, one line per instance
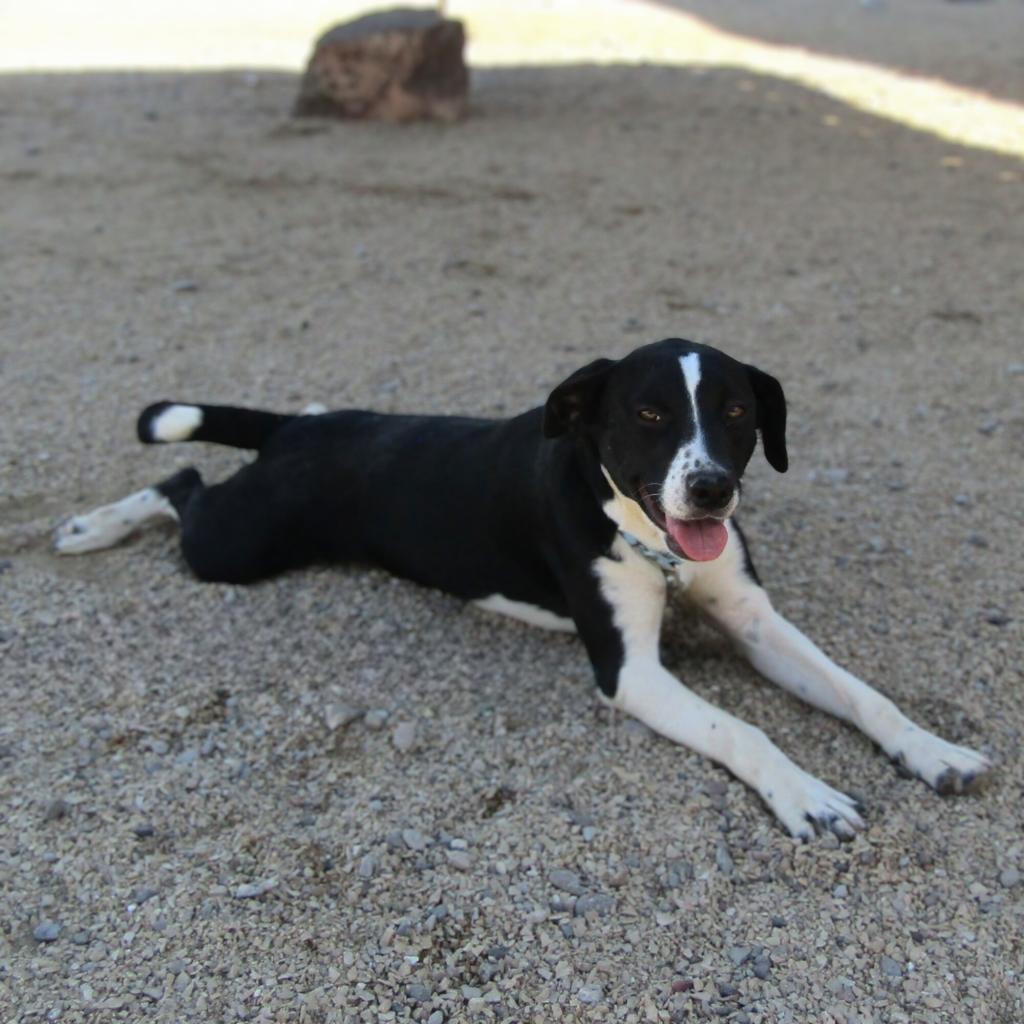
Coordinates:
188 813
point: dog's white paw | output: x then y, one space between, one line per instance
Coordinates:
805 805
93 531
103 527
946 767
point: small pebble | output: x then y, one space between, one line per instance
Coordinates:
367 866
590 994
46 931
375 719
890 967
738 954
404 737
340 716
635 731
566 880
594 903
724 859
437 1017
459 859
414 839
184 285
56 809
1009 877
419 993
251 890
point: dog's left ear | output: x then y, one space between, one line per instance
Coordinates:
575 400
771 417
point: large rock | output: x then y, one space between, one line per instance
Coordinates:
395 65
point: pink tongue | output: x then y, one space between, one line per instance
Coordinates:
699 539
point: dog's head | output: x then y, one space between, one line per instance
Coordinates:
674 425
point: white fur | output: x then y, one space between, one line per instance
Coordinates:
108 524
176 423
629 516
693 456
780 652
529 613
635 590
314 409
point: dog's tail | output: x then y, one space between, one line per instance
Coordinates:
222 424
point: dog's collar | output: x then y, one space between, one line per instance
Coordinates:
662 559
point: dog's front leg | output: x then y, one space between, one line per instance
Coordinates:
781 653
620 621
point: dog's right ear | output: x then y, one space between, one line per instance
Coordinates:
575 400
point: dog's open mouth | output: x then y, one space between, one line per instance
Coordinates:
700 540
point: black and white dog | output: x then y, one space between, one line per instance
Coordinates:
569 516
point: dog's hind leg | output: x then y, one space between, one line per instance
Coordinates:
107 525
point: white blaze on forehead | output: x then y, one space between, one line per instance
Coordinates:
690 366
693 453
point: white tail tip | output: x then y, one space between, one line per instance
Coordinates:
176 423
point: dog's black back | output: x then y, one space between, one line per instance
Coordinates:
449 502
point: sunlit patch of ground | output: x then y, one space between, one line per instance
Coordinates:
64 34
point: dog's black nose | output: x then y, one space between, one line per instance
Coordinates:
710 491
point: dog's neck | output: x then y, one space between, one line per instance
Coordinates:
632 521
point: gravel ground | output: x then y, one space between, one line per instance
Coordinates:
339 797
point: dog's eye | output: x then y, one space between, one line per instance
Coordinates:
649 415
735 411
